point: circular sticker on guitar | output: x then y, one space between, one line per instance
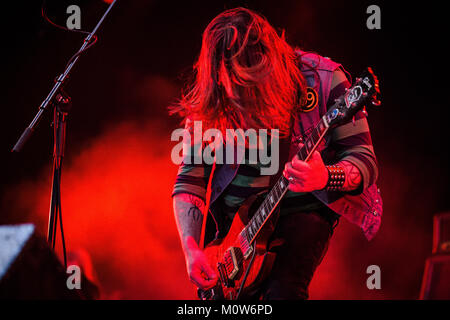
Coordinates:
311 100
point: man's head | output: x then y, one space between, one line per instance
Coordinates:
245 77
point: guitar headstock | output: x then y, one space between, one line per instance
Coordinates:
365 90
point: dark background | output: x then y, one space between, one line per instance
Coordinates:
144 53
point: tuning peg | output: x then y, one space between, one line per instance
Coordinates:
364 111
377 86
376 102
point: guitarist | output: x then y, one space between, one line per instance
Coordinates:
247 76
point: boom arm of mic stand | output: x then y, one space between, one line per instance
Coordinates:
59 82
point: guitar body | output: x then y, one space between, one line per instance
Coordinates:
253 270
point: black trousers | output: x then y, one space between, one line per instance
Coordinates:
304 242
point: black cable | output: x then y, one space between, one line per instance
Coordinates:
54 223
60 218
57 162
247 272
57 179
92 41
44 15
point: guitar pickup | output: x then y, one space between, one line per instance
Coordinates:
244 244
248 252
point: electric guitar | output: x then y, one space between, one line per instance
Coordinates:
241 259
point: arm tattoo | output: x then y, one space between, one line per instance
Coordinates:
188 215
353 178
194 211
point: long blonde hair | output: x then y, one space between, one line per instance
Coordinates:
246 76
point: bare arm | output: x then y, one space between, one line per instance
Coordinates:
189 218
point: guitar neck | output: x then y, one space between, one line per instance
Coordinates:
280 188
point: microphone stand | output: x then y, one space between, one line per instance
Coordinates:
61 104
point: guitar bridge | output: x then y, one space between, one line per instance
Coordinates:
232 261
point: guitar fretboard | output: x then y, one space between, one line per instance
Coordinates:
281 186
